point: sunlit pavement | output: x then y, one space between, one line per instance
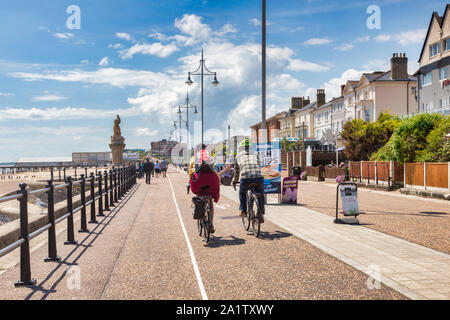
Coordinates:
147 247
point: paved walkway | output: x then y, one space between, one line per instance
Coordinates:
413 270
147 247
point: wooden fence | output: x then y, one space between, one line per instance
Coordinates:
377 172
424 176
428 176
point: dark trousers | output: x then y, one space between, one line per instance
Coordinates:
243 188
148 176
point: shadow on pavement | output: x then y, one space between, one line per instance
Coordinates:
277 235
64 261
217 242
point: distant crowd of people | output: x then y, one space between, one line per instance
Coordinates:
152 168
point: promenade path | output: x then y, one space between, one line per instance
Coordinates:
147 247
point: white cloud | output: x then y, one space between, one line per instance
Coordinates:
383 38
64 36
85 61
192 25
228 28
155 49
146 132
6 94
333 86
317 41
123 35
49 97
363 39
377 65
238 68
344 47
104 62
257 22
158 36
67 113
301 65
115 46
404 38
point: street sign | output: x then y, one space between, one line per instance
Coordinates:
270 161
349 199
290 190
348 193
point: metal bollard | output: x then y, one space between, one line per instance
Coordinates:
100 199
106 191
111 192
84 228
70 227
93 217
25 264
52 252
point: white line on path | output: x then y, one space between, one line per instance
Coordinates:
191 252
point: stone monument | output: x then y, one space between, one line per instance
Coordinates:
117 144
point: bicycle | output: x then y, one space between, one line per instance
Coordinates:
252 217
204 223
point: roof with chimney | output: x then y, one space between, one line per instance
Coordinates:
440 21
387 76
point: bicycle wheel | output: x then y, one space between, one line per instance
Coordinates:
207 223
256 212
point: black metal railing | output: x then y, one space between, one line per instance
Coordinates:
121 180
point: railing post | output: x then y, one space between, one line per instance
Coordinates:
115 184
119 189
52 251
100 199
70 227
376 172
84 228
51 174
85 172
59 174
111 189
93 217
106 191
25 267
64 170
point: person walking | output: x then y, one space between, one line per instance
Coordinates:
157 169
141 170
164 165
148 171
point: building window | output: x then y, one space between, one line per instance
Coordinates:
367 115
427 78
435 49
443 73
447 44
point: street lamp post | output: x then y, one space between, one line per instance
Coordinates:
263 111
187 105
202 73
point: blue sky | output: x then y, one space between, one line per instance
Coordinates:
60 89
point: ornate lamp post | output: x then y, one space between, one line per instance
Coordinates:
202 71
187 105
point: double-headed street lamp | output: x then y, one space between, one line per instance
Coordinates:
187 105
202 73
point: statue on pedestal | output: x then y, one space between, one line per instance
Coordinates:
117 143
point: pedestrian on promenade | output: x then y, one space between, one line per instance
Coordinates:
141 170
157 169
164 165
148 171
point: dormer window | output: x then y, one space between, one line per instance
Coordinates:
435 49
